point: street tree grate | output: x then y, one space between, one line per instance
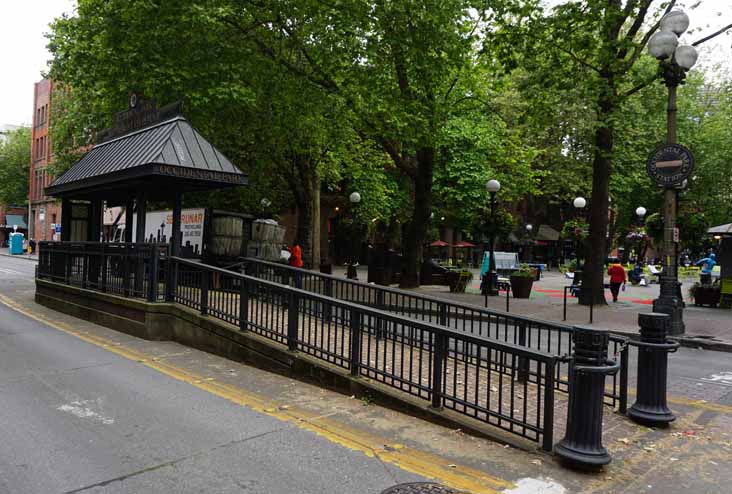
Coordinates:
420 488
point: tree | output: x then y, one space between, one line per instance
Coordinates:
397 65
599 44
282 131
14 165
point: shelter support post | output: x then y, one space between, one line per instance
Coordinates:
176 233
140 239
129 215
94 233
65 219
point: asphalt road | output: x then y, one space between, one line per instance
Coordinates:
77 418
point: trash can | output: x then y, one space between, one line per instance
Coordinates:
16 243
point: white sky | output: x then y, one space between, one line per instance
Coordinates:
24 55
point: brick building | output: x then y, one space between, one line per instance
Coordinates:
45 212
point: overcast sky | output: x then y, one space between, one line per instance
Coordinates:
24 55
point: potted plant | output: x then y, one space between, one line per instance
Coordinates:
458 280
708 294
522 280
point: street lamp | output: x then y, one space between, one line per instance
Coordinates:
640 211
492 186
529 227
351 272
675 61
579 204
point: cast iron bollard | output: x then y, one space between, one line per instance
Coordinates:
582 443
653 348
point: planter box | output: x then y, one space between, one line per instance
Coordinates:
521 286
704 295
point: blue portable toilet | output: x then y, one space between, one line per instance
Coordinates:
16 243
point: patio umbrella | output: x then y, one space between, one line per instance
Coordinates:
439 243
464 245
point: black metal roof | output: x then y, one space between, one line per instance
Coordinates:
172 153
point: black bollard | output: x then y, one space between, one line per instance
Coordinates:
582 444
650 407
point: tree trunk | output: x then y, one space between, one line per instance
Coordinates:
316 222
308 220
416 230
593 288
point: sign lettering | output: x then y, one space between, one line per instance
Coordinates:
670 165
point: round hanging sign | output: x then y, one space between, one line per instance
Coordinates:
670 164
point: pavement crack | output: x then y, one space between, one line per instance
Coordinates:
173 462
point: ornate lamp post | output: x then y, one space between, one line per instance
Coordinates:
492 186
529 228
579 204
675 61
352 273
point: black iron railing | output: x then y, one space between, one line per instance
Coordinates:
499 383
536 334
127 269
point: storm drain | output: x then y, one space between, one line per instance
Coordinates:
420 488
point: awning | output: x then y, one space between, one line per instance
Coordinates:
721 230
545 232
12 220
162 158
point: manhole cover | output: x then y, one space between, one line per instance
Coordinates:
420 488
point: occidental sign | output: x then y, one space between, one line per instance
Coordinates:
670 164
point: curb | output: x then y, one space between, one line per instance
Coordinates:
698 342
23 256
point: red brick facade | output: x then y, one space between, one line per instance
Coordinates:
45 211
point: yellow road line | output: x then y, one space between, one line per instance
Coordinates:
411 460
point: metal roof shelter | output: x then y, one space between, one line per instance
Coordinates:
170 156
149 154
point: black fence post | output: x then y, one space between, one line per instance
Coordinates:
152 287
126 271
438 361
103 267
623 405
582 443
204 291
84 266
171 280
328 292
523 362
380 323
443 321
650 407
293 318
564 316
243 305
548 429
355 350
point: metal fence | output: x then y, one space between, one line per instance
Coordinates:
499 383
527 332
127 269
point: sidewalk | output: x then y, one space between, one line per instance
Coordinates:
4 251
705 325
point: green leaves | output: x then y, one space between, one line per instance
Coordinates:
14 162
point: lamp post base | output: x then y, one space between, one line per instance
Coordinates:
669 303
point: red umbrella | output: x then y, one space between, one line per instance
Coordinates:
439 243
464 245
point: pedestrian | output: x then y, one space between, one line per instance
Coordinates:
296 262
708 264
617 278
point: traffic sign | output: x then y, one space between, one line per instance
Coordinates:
670 164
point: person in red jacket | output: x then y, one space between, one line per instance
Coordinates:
617 278
295 256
